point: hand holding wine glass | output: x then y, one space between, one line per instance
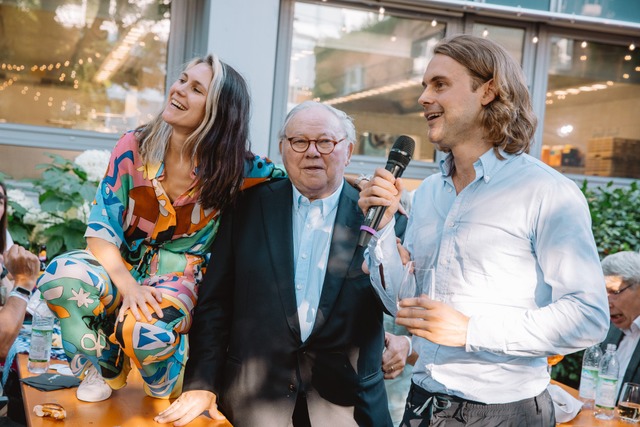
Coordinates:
416 281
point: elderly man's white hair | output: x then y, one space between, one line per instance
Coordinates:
347 122
624 264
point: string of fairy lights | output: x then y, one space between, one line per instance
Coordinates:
68 69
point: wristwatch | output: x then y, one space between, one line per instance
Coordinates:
23 291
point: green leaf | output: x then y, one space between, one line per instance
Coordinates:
19 233
54 246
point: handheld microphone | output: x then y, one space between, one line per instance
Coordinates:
399 157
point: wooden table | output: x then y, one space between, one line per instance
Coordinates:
127 407
585 417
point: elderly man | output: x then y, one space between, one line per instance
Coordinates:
287 329
622 276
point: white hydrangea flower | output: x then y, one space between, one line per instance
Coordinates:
94 163
19 197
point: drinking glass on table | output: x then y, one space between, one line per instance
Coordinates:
629 403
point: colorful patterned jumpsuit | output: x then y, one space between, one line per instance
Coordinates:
164 245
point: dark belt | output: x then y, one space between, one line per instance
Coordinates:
435 402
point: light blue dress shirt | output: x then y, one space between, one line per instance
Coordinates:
515 253
312 231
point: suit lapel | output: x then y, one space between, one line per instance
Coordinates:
341 253
632 367
276 213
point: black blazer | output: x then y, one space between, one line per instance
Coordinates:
245 341
632 374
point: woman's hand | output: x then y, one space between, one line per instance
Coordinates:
138 298
135 297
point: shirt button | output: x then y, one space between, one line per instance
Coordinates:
449 190
299 287
304 256
451 224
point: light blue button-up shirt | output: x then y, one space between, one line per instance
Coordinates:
515 253
312 231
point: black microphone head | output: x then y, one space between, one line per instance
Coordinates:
402 151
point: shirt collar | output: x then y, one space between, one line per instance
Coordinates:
326 205
486 166
634 327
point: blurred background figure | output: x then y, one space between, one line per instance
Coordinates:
622 276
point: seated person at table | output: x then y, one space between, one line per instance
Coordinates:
24 268
622 276
130 296
288 330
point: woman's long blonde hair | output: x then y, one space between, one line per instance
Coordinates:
219 146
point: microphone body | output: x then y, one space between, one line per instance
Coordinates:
399 158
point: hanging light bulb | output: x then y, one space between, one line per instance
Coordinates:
583 44
485 33
381 10
632 46
434 23
534 40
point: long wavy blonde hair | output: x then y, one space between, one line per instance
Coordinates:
219 146
508 121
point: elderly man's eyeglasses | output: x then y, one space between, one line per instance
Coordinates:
324 145
618 292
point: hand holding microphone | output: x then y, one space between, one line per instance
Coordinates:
399 158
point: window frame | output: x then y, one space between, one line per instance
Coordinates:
184 14
459 18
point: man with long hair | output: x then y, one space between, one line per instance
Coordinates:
517 271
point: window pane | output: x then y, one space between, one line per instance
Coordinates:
621 10
528 4
512 39
367 64
83 64
593 97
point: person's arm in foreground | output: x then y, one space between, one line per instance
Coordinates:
24 267
105 232
384 190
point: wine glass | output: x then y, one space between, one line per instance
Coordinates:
629 403
408 286
416 281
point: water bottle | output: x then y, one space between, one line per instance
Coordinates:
589 375
41 335
607 388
